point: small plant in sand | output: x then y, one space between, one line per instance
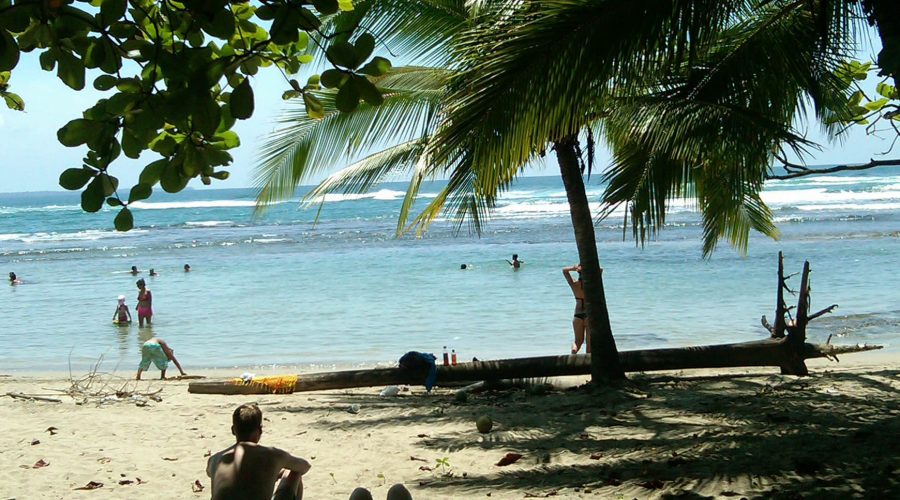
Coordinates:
444 465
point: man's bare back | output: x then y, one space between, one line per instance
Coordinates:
248 470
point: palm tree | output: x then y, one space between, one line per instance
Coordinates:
689 95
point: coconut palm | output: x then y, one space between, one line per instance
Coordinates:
690 96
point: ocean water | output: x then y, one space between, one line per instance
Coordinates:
281 290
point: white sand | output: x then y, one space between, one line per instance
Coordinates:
742 433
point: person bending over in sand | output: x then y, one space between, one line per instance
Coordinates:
247 470
580 319
145 303
122 314
159 352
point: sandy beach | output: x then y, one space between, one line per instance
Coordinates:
699 434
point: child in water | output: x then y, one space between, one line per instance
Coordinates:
122 315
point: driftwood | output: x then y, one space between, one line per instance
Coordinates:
762 353
30 397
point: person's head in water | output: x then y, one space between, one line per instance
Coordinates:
515 257
463 266
141 283
246 423
12 276
152 272
134 270
187 268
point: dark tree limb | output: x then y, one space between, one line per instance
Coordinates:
795 170
823 312
780 311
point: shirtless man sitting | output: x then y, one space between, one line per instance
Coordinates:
248 470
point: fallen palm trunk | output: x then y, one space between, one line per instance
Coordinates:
772 352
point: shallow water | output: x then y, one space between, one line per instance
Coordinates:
281 290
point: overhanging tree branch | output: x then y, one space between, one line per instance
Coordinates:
794 170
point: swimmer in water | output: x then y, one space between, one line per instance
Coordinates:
134 271
515 262
187 268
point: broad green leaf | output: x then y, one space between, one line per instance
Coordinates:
108 183
378 66
364 46
221 175
221 26
9 51
105 82
152 172
876 105
124 221
205 115
78 132
332 78
113 202
229 138
368 91
326 7
314 107
70 70
886 90
75 178
242 100
111 11
285 26
132 145
267 12
342 54
48 59
305 59
140 191
13 101
347 98
171 179
92 198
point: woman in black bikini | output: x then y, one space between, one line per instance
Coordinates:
580 320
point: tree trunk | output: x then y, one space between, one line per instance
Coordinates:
605 366
772 352
884 16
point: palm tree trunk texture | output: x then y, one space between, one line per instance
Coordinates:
885 16
605 365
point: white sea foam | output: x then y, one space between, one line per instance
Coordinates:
821 196
209 223
86 235
169 205
382 194
851 206
270 240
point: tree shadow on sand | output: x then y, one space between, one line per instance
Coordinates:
830 435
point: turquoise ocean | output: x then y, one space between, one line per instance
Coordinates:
281 290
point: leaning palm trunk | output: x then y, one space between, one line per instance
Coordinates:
605 364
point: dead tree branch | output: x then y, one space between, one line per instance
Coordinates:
795 170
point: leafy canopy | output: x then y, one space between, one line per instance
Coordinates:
176 74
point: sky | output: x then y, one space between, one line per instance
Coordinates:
31 158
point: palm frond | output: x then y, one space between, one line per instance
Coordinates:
304 147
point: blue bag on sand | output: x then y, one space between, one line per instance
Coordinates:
421 361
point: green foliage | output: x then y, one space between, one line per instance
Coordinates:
176 77
861 108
